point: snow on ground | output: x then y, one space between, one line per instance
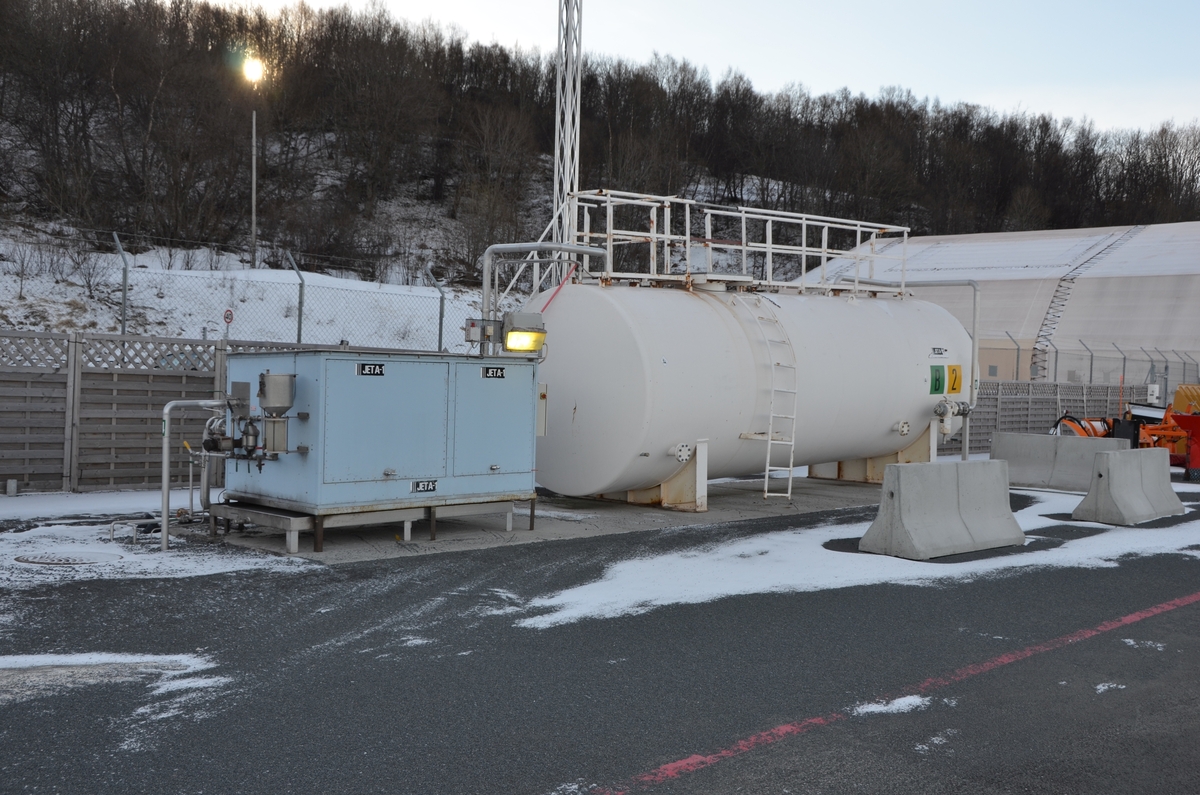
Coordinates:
171 297
115 559
798 561
46 505
893 707
174 687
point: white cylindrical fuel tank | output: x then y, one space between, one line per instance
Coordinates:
632 372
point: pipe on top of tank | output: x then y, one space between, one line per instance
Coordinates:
527 248
974 285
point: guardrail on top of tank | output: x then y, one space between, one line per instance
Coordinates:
762 247
750 247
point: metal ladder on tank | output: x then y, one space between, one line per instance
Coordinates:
784 387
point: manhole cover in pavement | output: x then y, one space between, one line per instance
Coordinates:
78 559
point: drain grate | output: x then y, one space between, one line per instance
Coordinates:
78 559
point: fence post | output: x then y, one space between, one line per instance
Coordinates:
220 351
300 305
1017 364
74 390
68 413
441 303
124 282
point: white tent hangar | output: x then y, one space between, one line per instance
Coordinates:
1101 302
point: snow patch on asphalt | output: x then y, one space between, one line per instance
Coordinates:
1143 644
893 707
143 559
796 560
1104 687
28 676
936 741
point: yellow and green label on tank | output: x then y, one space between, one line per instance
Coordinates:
945 379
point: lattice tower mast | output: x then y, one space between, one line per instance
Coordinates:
566 117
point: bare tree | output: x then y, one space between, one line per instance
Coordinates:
51 261
92 270
21 264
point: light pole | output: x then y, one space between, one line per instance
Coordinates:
253 70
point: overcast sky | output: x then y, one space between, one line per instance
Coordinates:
1121 64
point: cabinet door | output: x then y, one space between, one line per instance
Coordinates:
493 418
385 416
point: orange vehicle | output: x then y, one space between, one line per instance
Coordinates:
1177 432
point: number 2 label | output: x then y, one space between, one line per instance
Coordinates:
954 379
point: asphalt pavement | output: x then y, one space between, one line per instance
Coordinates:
411 675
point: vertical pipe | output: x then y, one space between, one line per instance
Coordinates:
124 282
974 393
484 348
166 455
904 261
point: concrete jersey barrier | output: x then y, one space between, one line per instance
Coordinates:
1061 463
1130 487
932 510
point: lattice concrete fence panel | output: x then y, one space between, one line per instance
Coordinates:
1033 407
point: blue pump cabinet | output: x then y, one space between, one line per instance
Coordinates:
388 432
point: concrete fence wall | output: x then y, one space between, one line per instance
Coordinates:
82 412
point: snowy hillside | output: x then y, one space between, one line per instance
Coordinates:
42 289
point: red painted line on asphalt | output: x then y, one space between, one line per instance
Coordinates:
691 764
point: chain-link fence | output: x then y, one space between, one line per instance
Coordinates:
1095 362
283 306
67 282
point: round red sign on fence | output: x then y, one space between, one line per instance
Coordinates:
228 316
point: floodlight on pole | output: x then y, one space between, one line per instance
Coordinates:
252 68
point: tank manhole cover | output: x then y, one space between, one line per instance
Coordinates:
78 559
